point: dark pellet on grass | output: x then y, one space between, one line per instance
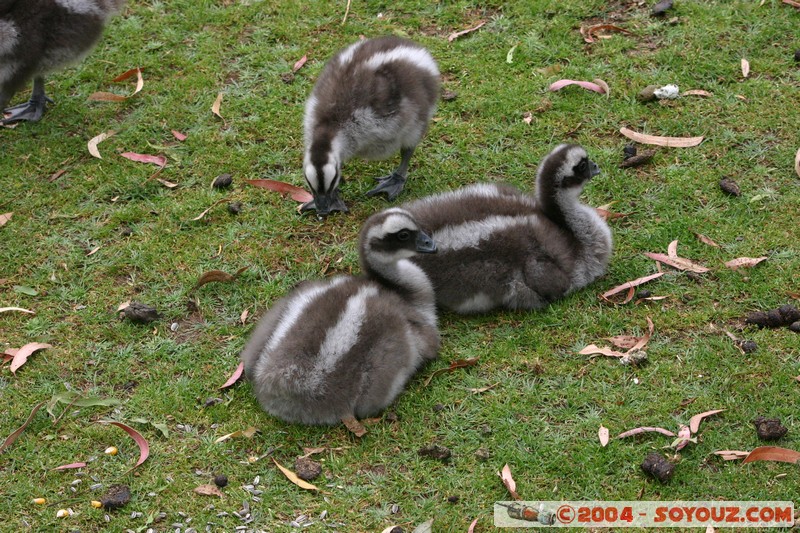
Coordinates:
797 55
435 451
125 231
729 186
769 428
449 96
115 497
658 467
438 407
774 318
222 181
235 208
644 293
483 454
628 151
795 326
140 313
747 346
638 160
307 469
453 499
220 480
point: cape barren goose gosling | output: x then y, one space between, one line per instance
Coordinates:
372 99
40 36
499 248
345 347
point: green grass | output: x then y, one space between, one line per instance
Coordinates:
543 413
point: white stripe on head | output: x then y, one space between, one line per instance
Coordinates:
309 118
418 57
301 301
329 175
311 176
347 54
81 7
341 338
8 37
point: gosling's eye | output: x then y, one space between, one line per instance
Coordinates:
582 166
403 235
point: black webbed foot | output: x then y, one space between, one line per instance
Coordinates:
391 185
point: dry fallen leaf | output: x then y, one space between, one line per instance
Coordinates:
593 350
291 476
112 97
671 142
797 162
217 276
4 218
471 528
732 455
94 141
590 31
244 315
158 160
20 309
706 240
591 86
26 351
70 466
179 136
354 426
638 431
694 422
296 193
249 432
299 64
459 363
208 490
684 438
216 105
602 434
673 260
201 215
235 377
15 435
509 482
745 68
740 262
453 36
772 453
696 92
629 285
144 447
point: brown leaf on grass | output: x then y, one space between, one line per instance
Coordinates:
15 435
158 160
299 64
453 36
235 377
216 105
792 3
204 213
472 525
167 184
607 215
629 285
740 262
639 431
26 351
94 141
459 363
696 92
217 276
745 68
296 193
694 422
673 260
596 350
4 218
626 342
291 476
602 434
706 240
20 309
509 482
249 432
732 455
70 466
670 142
354 426
208 490
772 453
589 32
179 136
797 162
144 447
588 85
112 97
244 315
684 438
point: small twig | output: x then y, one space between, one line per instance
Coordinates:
66 409
346 12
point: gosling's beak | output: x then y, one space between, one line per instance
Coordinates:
325 204
594 170
425 244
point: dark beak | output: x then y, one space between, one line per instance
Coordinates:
325 204
594 170
425 244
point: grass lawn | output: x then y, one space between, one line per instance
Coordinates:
88 234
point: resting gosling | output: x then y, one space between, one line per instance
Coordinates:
499 248
372 99
345 347
40 36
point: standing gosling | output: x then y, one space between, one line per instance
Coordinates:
40 36
372 99
345 347
502 249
